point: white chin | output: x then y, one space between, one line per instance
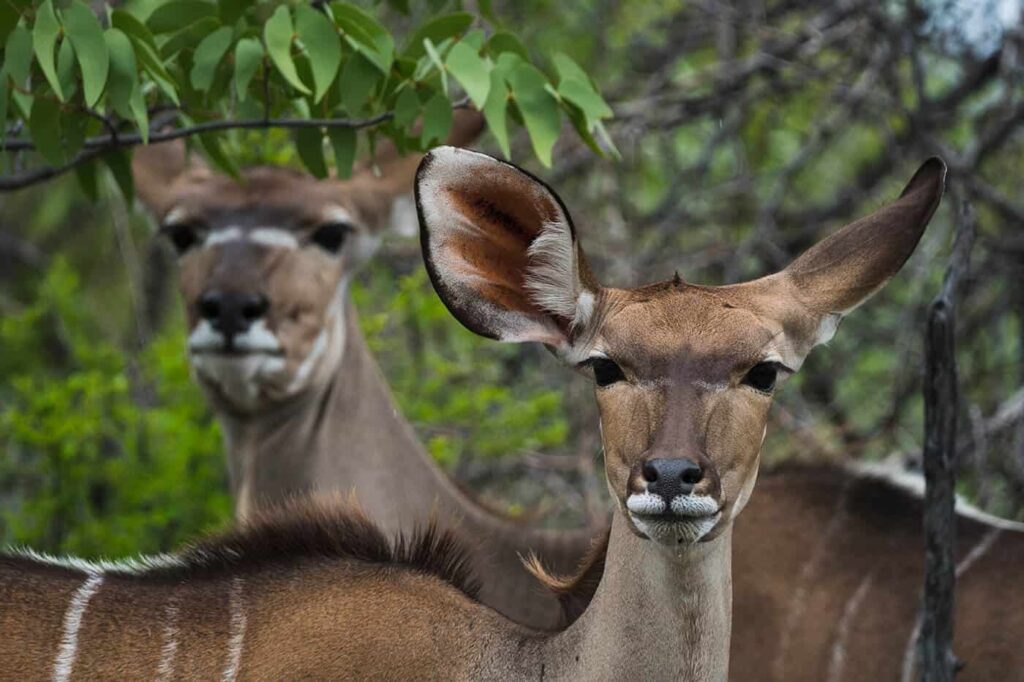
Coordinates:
245 381
675 530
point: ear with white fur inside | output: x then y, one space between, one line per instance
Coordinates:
501 249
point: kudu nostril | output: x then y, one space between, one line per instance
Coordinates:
671 477
232 312
650 472
692 474
209 305
255 306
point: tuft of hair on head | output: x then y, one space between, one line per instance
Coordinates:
330 528
576 590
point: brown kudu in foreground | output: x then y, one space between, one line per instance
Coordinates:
274 342
684 378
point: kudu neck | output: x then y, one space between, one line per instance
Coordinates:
656 614
309 440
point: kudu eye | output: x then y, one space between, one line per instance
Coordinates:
606 371
330 236
183 236
761 377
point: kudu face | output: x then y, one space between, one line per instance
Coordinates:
684 374
264 265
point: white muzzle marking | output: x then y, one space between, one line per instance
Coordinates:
691 518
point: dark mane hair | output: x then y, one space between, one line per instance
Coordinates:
574 591
317 528
325 528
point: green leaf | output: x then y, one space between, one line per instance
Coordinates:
124 92
132 27
495 111
471 71
357 80
3 105
503 41
278 35
86 35
140 112
123 70
437 30
575 87
44 126
407 108
66 69
437 120
232 10
210 142
9 16
309 143
119 161
248 57
343 141
86 173
208 56
44 42
154 66
18 55
540 111
435 58
170 17
323 46
365 34
188 37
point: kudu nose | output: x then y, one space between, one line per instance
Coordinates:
670 478
231 312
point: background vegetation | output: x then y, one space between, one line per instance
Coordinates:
747 129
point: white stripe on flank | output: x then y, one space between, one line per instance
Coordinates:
237 638
838 660
169 649
65 661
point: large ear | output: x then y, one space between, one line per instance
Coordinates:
155 169
378 183
501 249
842 271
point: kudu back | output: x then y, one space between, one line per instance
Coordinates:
274 341
684 377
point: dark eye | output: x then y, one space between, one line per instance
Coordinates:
330 236
606 372
762 377
183 236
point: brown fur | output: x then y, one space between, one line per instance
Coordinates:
575 591
339 430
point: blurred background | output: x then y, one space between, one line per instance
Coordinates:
748 130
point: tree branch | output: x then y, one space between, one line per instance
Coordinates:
96 146
941 399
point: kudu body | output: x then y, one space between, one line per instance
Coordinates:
684 376
828 573
275 343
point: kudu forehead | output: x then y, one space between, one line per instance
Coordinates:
265 196
674 328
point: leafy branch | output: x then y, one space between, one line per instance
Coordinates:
76 88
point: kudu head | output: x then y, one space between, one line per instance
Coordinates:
265 262
684 373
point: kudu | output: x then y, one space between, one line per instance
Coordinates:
684 378
274 341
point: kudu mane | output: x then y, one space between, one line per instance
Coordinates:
297 531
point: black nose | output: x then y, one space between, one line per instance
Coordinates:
671 477
232 312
